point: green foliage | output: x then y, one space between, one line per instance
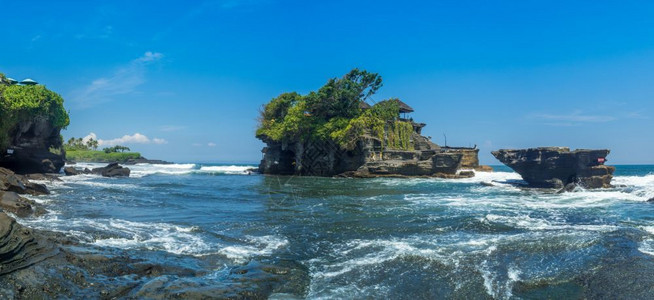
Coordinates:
79 144
381 122
342 97
334 112
115 149
20 103
100 156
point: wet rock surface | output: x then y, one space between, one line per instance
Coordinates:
53 266
10 181
112 170
556 167
20 247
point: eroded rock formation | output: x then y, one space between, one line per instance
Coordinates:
556 167
10 181
368 159
29 151
19 248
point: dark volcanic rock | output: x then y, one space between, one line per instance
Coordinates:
556 167
70 171
9 181
43 177
368 159
112 170
20 248
30 142
22 207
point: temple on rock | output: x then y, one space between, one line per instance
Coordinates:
374 154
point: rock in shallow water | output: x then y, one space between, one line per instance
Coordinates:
112 170
555 167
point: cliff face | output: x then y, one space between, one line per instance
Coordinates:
29 144
555 167
30 120
368 159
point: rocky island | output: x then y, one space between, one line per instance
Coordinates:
558 167
336 132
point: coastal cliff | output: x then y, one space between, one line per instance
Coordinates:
335 132
557 167
31 118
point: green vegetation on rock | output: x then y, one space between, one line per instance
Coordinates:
335 112
19 103
100 156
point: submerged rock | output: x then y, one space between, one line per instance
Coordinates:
112 170
556 167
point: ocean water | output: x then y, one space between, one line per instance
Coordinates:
374 238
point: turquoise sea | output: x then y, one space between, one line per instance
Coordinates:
371 238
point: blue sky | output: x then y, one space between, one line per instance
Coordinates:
189 77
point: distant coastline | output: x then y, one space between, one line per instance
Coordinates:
93 156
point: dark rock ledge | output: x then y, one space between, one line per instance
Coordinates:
558 167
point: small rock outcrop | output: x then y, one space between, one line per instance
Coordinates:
557 167
112 170
10 181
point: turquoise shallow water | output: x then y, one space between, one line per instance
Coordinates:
374 238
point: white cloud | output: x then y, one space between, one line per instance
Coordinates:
150 56
136 138
123 81
211 144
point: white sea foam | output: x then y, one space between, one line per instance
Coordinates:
457 250
140 170
183 240
232 170
527 222
647 245
256 246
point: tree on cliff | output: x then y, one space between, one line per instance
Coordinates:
334 113
20 104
